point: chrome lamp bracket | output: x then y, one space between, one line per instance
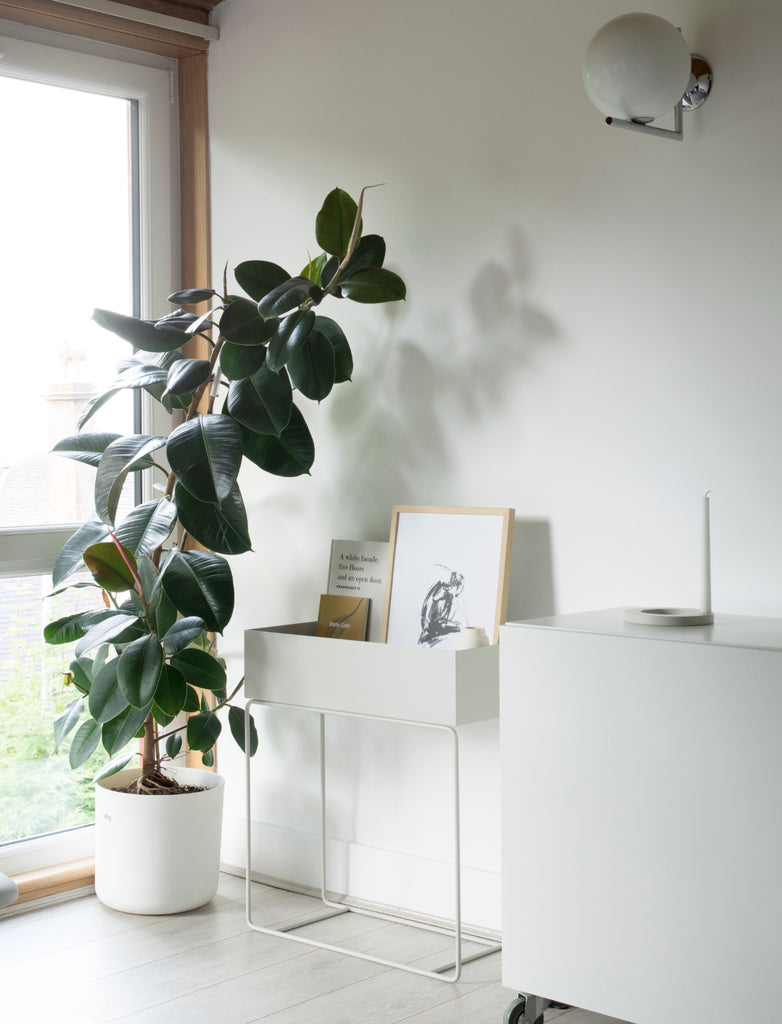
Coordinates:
696 93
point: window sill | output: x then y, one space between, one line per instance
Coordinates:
54 881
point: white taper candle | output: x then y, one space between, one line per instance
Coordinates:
706 557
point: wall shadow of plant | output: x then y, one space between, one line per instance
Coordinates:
396 420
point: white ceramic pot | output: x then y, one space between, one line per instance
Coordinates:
158 854
473 636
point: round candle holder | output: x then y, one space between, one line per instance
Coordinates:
669 617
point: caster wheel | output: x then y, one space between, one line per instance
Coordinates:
516 1013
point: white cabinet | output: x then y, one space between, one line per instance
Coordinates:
642 816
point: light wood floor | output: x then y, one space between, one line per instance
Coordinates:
80 963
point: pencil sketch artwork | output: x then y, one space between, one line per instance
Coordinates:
442 614
446 568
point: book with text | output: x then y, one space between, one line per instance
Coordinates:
358 568
343 618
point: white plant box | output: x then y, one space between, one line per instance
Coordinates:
289 665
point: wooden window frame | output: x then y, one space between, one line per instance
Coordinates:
190 53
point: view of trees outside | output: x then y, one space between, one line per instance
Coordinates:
39 793
65 248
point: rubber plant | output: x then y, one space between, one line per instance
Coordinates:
148 656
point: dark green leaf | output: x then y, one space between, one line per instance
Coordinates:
84 743
240 361
134 375
314 269
108 567
130 634
67 721
182 633
173 745
186 375
175 402
288 296
311 367
164 612
97 403
139 669
203 730
200 583
236 722
82 670
203 324
291 335
200 669
86 448
258 277
106 700
330 267
107 629
192 701
205 453
115 765
219 527
334 222
370 252
208 758
147 526
121 730
171 692
242 324
290 454
65 630
140 333
142 375
191 296
70 558
374 284
343 358
103 615
161 717
262 402
146 362
178 320
135 629
150 581
121 456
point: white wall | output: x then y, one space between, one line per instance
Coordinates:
591 336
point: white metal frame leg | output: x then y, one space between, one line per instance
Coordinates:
335 907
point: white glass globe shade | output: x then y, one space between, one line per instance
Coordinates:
637 67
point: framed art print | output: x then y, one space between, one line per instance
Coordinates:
447 568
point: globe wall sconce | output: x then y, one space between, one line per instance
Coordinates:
639 67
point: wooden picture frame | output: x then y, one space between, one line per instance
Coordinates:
447 568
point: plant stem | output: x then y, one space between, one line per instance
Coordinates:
149 758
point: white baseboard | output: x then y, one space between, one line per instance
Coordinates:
395 882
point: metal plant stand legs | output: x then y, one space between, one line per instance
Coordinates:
334 907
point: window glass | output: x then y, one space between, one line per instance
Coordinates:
86 176
40 793
65 248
